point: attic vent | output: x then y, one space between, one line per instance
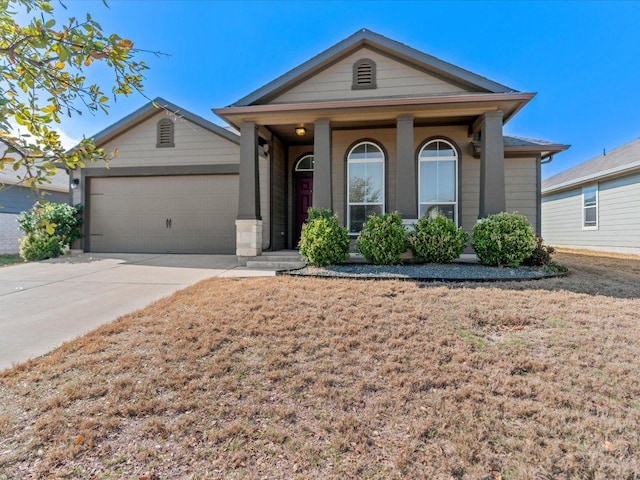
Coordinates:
364 74
165 133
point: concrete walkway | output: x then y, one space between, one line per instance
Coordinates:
45 304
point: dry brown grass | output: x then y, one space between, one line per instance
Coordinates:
322 378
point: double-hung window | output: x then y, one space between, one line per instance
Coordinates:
365 184
590 207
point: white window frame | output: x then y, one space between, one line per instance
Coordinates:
596 206
456 160
350 162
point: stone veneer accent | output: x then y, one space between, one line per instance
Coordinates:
9 233
248 238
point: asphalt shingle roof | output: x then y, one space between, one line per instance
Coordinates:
620 159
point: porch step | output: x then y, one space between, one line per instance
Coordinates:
272 265
280 260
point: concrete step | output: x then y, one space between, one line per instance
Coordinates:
275 265
277 258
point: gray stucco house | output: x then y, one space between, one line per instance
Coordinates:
369 125
595 205
15 199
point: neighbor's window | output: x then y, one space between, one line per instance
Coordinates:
438 180
590 207
364 74
365 184
165 133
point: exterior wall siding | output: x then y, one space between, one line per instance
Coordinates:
618 220
520 187
193 146
392 78
278 196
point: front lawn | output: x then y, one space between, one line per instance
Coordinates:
322 378
10 260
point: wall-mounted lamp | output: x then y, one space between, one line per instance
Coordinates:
301 131
75 183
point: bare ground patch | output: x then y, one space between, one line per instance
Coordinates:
324 378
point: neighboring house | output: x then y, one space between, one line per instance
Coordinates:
368 126
15 199
595 205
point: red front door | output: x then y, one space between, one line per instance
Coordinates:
304 195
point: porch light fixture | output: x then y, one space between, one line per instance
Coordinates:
75 183
301 131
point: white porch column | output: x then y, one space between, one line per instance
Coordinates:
249 223
492 191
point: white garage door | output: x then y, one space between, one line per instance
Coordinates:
163 214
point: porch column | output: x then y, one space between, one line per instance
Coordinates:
249 222
492 195
406 197
322 197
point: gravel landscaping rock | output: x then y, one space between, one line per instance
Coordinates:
453 272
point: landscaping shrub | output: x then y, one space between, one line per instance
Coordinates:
541 254
503 239
48 228
39 246
437 240
383 239
323 241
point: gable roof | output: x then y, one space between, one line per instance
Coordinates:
153 107
379 42
623 159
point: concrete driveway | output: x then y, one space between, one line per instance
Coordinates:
45 304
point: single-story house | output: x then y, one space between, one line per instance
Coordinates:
369 125
16 198
595 204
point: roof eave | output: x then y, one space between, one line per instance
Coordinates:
151 108
368 38
231 114
603 175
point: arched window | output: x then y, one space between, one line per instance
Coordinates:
438 180
305 164
365 184
364 74
165 133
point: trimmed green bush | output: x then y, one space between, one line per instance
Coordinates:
437 240
541 254
504 239
383 239
48 228
323 241
39 246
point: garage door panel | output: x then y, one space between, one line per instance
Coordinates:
132 214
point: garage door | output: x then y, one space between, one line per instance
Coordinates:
163 214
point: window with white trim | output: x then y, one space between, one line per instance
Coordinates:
165 133
365 184
438 180
590 207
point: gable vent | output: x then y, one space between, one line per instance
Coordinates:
165 133
364 74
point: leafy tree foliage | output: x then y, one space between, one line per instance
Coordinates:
42 65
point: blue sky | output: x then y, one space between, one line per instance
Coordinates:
582 58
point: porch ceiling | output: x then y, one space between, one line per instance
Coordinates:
459 109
